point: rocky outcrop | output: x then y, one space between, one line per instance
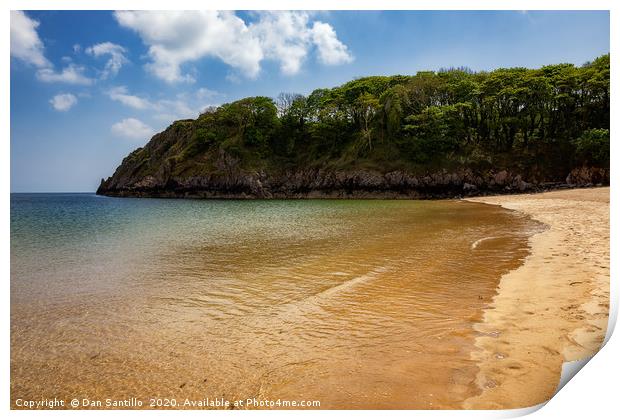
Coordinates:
588 176
320 183
165 168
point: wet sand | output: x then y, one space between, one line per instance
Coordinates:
552 309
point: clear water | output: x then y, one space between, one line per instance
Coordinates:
357 304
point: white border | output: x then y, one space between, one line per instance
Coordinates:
314 5
592 393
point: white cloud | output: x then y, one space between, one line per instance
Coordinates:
132 128
203 93
63 101
179 108
71 74
116 60
180 37
25 42
121 95
28 47
331 50
284 37
177 37
167 109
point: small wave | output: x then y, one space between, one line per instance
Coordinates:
339 273
351 282
314 301
479 241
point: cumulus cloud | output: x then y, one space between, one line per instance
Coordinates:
121 95
331 51
25 42
132 128
177 38
284 37
71 74
28 47
116 58
63 101
180 107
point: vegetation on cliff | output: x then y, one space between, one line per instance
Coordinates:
538 123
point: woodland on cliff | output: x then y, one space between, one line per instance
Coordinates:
536 122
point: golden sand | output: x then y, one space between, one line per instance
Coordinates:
552 309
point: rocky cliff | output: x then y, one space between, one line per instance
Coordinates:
222 176
380 137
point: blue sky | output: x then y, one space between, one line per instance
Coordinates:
89 87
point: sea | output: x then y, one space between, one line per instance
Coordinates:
349 303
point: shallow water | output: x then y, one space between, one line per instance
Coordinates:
357 304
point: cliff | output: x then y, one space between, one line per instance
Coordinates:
355 184
435 134
155 171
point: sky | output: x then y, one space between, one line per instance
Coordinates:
89 87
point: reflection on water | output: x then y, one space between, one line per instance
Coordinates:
358 304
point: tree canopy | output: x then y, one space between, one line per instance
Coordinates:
547 120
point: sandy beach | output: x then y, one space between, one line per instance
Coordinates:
552 309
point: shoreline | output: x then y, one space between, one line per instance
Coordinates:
533 326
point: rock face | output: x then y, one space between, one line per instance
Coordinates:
587 176
162 168
320 183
